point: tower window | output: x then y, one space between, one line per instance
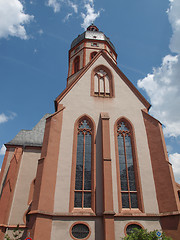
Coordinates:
92 55
102 82
95 44
128 184
76 64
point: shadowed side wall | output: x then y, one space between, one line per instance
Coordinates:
43 199
8 188
167 196
27 173
165 186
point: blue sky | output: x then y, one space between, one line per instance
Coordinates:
35 37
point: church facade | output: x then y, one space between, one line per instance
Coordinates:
95 168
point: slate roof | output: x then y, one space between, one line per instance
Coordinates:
91 35
32 137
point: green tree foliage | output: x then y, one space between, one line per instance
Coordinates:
16 234
143 234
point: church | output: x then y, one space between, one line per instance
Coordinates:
95 168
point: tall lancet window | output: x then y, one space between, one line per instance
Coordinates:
127 167
83 178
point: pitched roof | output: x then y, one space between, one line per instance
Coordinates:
115 67
32 137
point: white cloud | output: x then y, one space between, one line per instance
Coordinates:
90 15
4 118
175 160
174 19
74 6
40 32
55 4
2 150
35 51
163 84
67 17
13 19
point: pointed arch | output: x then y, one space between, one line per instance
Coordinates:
82 190
93 54
102 82
76 64
128 177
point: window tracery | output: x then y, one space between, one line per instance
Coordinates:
101 83
128 185
82 192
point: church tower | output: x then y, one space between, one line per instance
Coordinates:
98 166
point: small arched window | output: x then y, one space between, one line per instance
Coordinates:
102 82
92 55
127 167
130 227
82 191
76 64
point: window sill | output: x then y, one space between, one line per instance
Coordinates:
83 211
130 212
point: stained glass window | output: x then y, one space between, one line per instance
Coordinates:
80 231
82 198
126 167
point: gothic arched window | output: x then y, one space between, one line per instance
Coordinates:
127 167
102 82
83 172
76 64
92 55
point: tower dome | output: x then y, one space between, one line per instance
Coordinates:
92 32
85 47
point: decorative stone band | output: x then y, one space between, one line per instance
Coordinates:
86 214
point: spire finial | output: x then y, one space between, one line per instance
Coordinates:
93 28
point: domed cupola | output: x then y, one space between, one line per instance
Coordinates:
85 47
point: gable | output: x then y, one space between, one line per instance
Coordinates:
82 85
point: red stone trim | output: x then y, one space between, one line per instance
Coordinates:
46 177
93 169
171 226
4 166
109 232
130 223
136 168
12 226
31 191
23 146
84 55
94 40
165 186
9 187
92 214
79 222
